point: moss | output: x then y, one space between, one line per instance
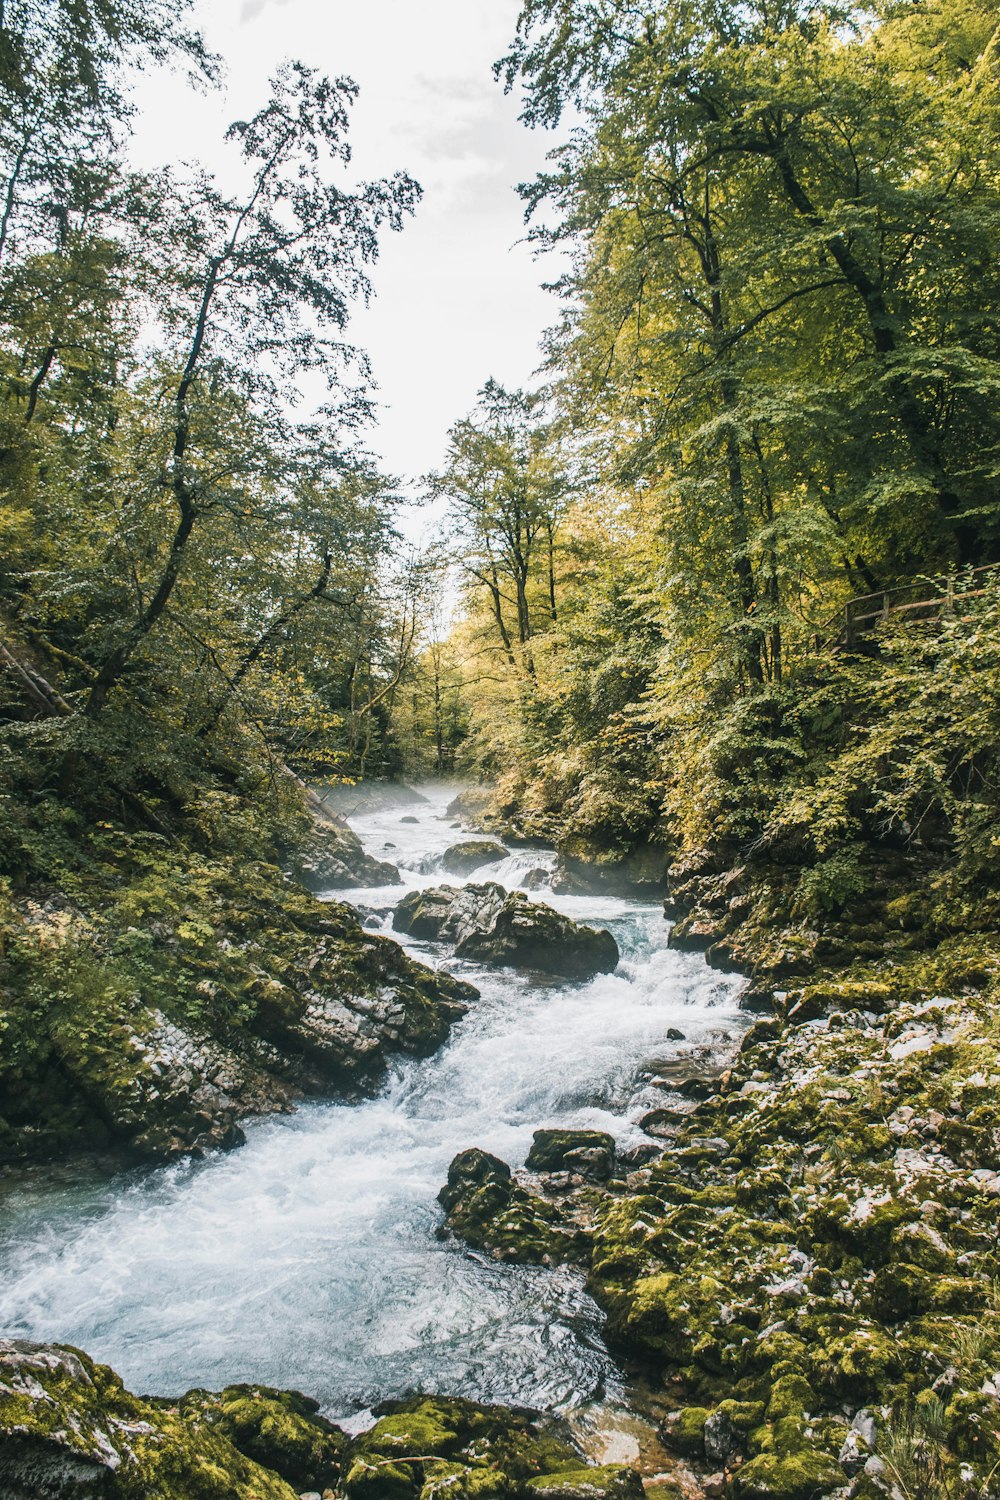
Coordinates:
154 968
67 1423
799 1476
684 1431
380 1479
485 1205
282 1430
449 1481
612 1482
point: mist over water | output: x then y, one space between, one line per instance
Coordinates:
308 1258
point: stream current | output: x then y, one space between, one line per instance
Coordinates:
308 1258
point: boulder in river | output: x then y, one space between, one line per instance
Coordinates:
491 925
470 854
591 1153
449 913
490 1210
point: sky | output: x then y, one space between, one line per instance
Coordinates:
458 299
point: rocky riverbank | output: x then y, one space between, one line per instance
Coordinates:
156 997
69 1428
807 1264
800 1262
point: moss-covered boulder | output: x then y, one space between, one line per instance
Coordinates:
438 1446
485 1206
589 1152
68 1428
176 995
471 854
282 1430
610 1482
804 1475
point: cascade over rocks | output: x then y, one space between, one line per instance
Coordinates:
490 925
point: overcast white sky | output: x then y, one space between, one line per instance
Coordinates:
457 298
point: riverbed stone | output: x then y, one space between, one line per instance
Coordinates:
589 1152
282 1430
471 854
489 1209
68 1428
610 1482
438 1446
491 925
527 935
449 913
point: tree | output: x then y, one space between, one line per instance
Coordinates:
505 487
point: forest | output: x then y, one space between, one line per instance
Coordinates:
711 608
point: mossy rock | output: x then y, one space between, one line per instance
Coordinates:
381 1479
610 1482
683 1431
466 1434
68 1428
453 1481
283 1430
471 854
589 1152
805 1475
489 1210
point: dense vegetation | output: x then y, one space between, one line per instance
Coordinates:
197 605
774 387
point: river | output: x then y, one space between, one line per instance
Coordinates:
309 1258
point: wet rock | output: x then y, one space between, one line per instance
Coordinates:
684 1431
282 1430
470 854
444 1448
528 935
587 866
589 1152
488 924
448 913
332 858
536 880
266 995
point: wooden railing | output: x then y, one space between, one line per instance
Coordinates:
924 599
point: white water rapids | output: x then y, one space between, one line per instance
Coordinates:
308 1258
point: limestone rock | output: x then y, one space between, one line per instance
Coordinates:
490 925
611 1482
69 1429
332 858
469 854
589 1152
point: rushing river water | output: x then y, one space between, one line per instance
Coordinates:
308 1258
